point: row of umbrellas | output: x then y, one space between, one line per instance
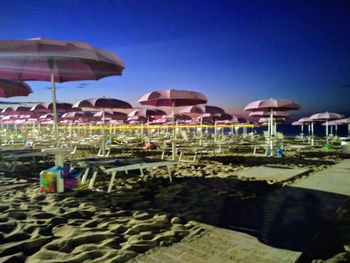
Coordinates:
61 61
204 113
327 118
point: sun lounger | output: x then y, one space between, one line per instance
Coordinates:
112 166
199 150
12 158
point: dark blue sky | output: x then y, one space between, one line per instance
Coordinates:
232 51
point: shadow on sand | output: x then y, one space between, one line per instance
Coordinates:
283 217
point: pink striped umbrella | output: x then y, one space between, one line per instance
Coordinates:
56 61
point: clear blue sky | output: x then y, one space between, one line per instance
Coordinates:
234 51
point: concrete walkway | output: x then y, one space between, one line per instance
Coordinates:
335 179
220 246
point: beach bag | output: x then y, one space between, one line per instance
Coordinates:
71 179
48 179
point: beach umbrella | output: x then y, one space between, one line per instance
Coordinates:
332 124
102 103
136 119
200 109
48 116
10 88
298 123
176 117
325 116
108 114
271 105
146 112
173 98
47 107
15 110
272 123
139 115
345 121
265 120
307 121
77 115
267 114
55 61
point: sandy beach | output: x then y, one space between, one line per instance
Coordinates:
143 214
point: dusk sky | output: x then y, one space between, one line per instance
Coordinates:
232 51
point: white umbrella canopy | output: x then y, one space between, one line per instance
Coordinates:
305 120
200 109
267 114
74 115
147 112
325 116
346 121
272 104
136 119
15 110
47 107
102 103
297 123
265 120
172 98
109 114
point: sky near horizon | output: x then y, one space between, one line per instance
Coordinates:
234 52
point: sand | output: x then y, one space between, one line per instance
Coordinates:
139 215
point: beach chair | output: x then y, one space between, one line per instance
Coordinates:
11 159
112 166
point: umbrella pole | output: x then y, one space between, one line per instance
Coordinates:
271 132
54 106
327 131
215 130
312 134
302 131
103 146
201 131
58 155
173 144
